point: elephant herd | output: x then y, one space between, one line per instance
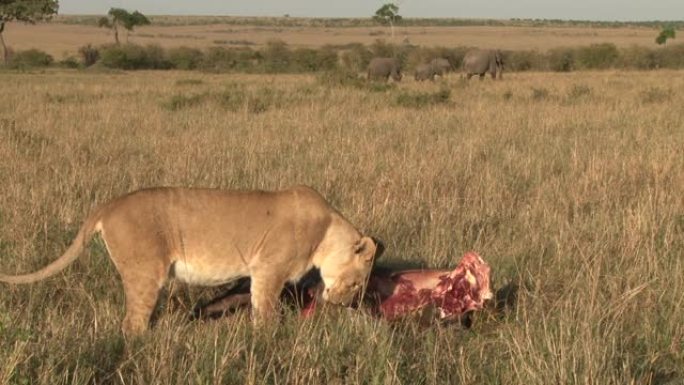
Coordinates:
475 62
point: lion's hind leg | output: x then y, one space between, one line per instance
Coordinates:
144 270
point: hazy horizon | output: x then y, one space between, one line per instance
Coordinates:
596 10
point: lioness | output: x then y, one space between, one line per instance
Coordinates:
211 237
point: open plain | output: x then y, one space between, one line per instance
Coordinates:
61 40
569 185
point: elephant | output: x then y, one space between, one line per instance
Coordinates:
441 66
425 72
381 68
481 61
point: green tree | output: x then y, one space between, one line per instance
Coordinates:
27 11
388 14
118 17
666 33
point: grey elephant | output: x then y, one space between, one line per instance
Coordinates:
425 72
381 68
481 61
441 66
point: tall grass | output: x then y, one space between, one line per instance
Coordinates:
574 198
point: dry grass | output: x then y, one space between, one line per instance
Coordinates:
60 39
570 186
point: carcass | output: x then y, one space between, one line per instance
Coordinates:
390 295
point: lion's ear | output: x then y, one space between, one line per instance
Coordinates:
379 247
365 248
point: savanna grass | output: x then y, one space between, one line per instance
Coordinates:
577 205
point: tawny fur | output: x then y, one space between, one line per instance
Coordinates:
210 237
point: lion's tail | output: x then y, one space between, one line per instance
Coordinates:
69 256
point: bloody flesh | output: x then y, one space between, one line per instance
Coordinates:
397 294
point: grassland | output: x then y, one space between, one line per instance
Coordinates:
61 40
569 185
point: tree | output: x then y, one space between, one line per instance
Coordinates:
119 17
27 11
388 14
666 33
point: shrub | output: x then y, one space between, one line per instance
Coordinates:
380 48
561 59
89 54
597 56
422 99
123 56
276 57
453 55
637 57
232 99
189 82
184 58
305 60
341 77
378 87
69 62
328 58
219 59
313 60
671 56
181 101
356 57
30 58
236 97
522 60
578 91
539 93
655 95
156 57
133 57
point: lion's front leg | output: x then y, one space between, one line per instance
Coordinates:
266 289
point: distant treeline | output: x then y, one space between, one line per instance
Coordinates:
286 21
278 57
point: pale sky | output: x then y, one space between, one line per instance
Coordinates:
497 9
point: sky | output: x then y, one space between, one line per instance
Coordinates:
621 10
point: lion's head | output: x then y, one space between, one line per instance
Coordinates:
347 273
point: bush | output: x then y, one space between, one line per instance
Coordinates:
133 57
328 58
184 58
181 101
422 99
655 95
30 58
561 59
69 62
276 57
341 77
539 93
381 48
597 56
89 54
356 58
235 97
218 59
578 91
156 57
313 60
189 82
637 57
671 56
453 55
305 60
522 60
